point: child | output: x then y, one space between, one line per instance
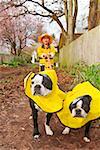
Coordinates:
46 52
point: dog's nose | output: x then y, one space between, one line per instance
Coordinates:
37 86
78 111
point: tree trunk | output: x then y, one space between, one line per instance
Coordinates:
75 15
98 13
70 21
20 47
66 13
19 52
13 49
64 39
93 14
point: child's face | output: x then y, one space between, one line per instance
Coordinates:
46 40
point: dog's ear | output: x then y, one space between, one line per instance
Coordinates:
47 82
87 99
86 102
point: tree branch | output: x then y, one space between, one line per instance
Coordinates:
44 7
51 14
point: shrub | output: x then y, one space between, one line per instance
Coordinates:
19 61
87 73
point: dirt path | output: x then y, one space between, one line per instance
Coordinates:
16 127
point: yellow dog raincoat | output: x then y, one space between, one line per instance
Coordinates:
53 102
81 89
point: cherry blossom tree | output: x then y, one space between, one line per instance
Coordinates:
17 31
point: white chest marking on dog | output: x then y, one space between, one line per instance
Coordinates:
66 130
48 130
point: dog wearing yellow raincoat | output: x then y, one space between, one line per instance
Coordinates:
74 109
81 106
44 94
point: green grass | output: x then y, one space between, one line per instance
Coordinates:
18 61
82 72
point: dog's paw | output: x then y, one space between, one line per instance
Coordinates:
86 139
36 136
48 130
66 131
30 117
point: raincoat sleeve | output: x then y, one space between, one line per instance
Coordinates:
52 51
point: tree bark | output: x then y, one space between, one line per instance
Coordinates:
93 14
66 13
14 48
75 15
98 13
70 21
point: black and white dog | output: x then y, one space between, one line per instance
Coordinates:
80 108
40 85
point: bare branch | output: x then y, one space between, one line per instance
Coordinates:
44 7
59 22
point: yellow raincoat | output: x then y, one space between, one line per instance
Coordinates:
53 102
42 50
81 89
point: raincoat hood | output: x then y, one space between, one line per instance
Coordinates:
50 103
81 89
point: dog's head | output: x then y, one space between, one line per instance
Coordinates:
41 85
80 106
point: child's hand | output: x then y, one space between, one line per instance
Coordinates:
44 55
51 55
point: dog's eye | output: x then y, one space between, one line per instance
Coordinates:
32 82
